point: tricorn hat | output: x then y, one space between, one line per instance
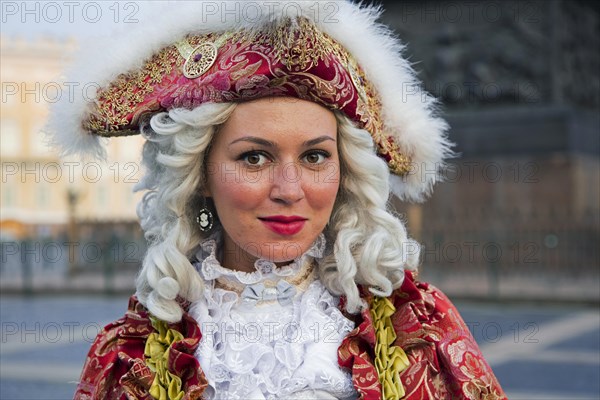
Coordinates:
190 53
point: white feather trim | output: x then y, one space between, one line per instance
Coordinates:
408 112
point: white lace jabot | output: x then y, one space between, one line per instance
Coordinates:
272 333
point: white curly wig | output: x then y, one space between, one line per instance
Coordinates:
370 244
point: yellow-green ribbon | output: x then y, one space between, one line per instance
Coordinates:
389 360
165 386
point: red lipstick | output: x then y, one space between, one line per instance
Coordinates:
284 225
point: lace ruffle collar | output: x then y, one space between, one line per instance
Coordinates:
210 268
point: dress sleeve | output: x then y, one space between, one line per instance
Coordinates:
445 361
114 368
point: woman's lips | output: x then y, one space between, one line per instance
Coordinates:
284 225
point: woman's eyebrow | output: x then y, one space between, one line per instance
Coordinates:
318 140
254 139
267 143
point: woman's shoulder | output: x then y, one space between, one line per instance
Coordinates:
416 306
117 366
417 344
119 343
422 305
443 357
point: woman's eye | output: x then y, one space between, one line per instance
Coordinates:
317 157
254 159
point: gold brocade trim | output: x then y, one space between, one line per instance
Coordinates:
300 45
127 92
398 162
166 386
389 360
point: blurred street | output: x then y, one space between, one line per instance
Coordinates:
537 352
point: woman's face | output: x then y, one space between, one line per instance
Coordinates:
273 172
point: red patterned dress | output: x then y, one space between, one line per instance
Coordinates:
444 361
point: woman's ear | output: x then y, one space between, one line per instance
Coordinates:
205 191
203 186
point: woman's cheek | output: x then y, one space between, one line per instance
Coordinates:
248 195
324 193
240 190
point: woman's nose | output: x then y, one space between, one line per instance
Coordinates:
287 184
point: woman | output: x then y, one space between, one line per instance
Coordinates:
275 268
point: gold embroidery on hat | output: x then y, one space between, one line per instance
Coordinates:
357 80
184 48
299 44
200 60
123 96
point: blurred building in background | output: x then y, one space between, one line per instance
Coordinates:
519 85
50 207
39 188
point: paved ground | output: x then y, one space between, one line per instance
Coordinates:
537 352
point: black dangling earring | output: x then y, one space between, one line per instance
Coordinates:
205 218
